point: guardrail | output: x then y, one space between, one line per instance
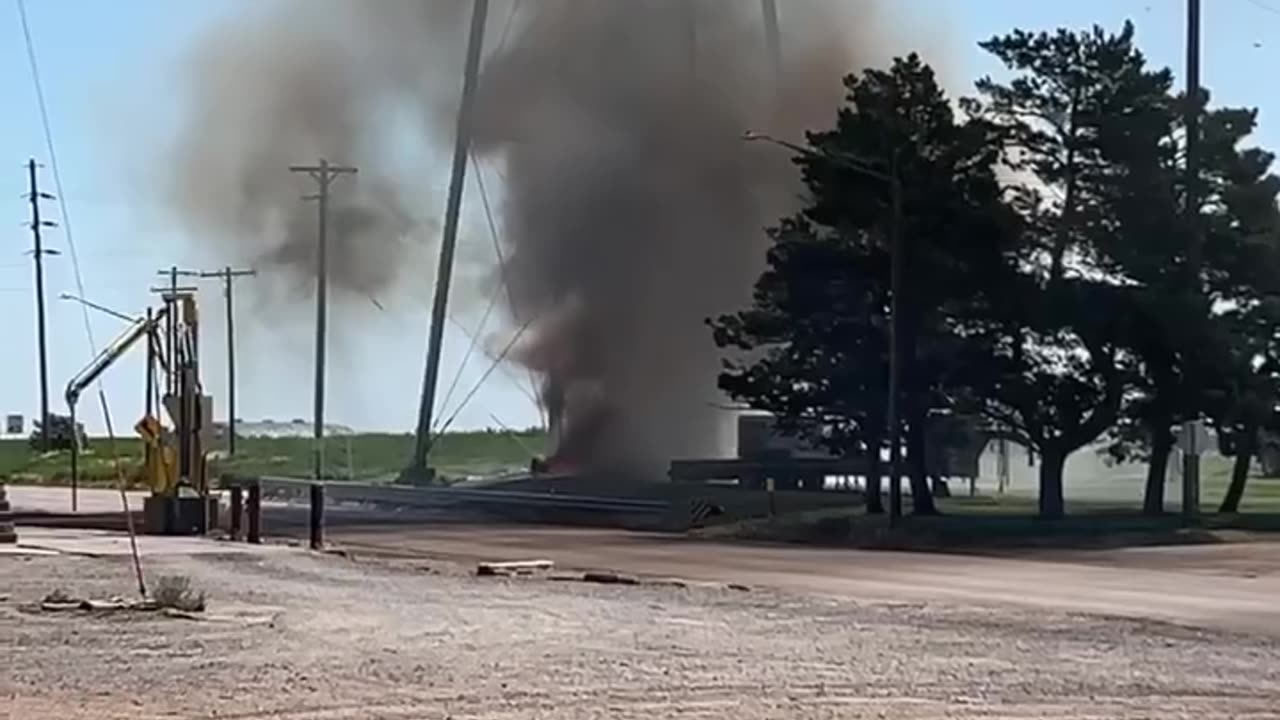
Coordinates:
434 497
250 494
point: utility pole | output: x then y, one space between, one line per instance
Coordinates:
324 174
444 274
773 40
228 275
38 252
169 294
1195 243
1192 120
895 354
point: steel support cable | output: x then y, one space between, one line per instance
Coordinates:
480 383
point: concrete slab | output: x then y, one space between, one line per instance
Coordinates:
99 543
32 498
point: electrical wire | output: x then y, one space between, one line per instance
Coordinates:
480 383
1264 6
493 299
506 27
511 301
515 382
79 279
497 245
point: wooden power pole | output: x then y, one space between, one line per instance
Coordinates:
1193 110
228 275
324 174
1195 240
38 252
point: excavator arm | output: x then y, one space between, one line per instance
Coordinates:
138 329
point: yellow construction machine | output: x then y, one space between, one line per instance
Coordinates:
174 464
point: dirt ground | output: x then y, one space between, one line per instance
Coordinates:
318 637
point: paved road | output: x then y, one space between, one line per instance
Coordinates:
1224 586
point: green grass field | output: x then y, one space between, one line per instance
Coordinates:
358 457
986 520
995 522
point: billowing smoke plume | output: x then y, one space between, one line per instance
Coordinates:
290 82
633 208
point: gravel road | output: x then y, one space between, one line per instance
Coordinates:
315 637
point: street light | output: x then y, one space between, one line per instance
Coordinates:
859 165
95 306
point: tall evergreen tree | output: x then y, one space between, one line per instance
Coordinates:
1076 107
817 332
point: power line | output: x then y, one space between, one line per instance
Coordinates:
506 284
75 265
506 27
1264 6
493 298
53 163
479 383
515 382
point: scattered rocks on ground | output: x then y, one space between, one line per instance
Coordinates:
302 635
610 578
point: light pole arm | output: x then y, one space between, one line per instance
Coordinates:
845 160
99 308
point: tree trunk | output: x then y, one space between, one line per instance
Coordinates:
875 476
1157 469
940 488
1053 504
921 494
917 464
1245 448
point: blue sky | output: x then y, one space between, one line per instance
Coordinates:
107 71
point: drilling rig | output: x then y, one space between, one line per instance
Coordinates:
175 465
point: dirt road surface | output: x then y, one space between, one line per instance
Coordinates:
1232 587
302 636
399 629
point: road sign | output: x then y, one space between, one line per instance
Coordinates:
1193 438
13 424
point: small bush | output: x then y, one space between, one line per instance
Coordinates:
61 434
174 591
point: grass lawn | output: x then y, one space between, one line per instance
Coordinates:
361 457
1008 521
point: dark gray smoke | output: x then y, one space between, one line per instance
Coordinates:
290 82
633 209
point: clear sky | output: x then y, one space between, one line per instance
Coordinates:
107 70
